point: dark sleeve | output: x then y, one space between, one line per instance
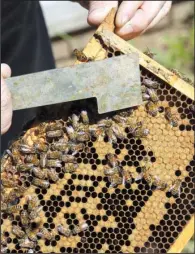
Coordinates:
25 46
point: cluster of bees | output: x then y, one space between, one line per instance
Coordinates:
117 175
27 237
149 95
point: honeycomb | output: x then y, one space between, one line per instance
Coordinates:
131 217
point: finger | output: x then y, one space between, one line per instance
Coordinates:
5 71
126 11
163 12
141 20
98 10
6 107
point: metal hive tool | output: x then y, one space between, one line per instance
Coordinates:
131 218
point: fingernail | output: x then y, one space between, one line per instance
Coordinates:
98 15
126 29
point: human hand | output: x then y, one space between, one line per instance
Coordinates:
6 102
132 18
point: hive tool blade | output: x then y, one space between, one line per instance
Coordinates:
115 82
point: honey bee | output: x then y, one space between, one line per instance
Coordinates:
41 147
15 193
150 83
176 72
54 134
143 89
9 153
131 127
111 171
176 188
54 155
127 177
52 175
60 146
43 159
4 206
82 136
111 136
58 125
149 53
42 127
64 231
46 234
84 116
70 167
115 180
152 108
34 213
126 113
107 123
161 185
112 159
23 168
31 234
40 183
8 182
82 227
19 190
40 173
141 132
71 133
53 164
148 177
75 121
3 239
13 209
32 202
96 132
26 243
17 231
81 56
68 158
119 119
24 218
26 149
153 95
117 131
188 80
75 148
173 120
145 97
32 159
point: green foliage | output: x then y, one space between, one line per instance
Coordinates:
178 51
189 248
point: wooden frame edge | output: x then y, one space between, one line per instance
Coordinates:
183 238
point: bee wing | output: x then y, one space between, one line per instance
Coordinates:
170 189
139 177
123 181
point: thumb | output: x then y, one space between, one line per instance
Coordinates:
6 102
98 10
5 71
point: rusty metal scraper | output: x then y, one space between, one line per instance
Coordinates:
115 82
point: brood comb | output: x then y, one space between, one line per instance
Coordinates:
121 182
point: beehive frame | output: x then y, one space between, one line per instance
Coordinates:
96 50
106 30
